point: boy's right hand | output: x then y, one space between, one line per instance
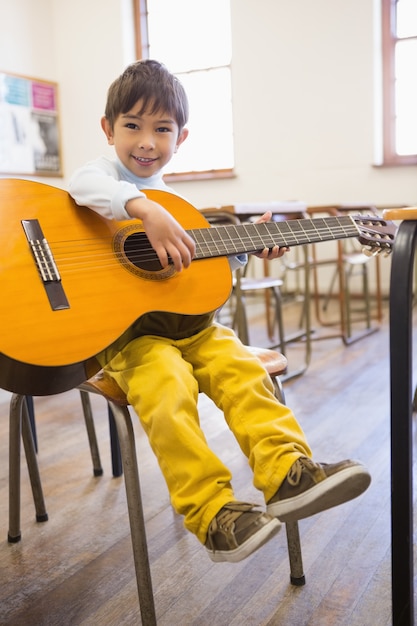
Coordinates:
166 236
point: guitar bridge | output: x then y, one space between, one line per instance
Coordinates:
45 265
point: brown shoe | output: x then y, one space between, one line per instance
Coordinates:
313 487
237 531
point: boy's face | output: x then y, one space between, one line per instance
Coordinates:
145 143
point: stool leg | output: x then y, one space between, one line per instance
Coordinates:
348 303
347 335
31 411
297 577
278 389
15 429
91 433
137 524
330 291
20 427
367 296
294 552
32 463
240 321
116 458
278 316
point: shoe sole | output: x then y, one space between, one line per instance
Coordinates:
337 489
253 543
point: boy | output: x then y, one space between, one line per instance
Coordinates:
173 357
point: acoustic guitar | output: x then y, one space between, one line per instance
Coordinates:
73 283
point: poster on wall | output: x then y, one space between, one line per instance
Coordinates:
30 142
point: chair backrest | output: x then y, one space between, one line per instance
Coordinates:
220 217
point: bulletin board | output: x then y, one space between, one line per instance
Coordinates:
30 142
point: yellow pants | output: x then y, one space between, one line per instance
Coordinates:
162 378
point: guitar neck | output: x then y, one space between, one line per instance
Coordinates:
248 238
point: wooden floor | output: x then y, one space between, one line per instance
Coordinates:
77 568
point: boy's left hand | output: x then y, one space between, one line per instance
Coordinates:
267 253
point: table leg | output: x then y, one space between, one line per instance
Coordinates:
401 423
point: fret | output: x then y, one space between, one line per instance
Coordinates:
248 238
327 231
295 233
216 241
315 228
203 249
213 242
252 237
237 245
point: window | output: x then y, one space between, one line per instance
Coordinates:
399 43
193 39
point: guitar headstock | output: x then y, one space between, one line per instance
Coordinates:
375 233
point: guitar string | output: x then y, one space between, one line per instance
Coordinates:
206 244
205 238
97 251
210 246
103 258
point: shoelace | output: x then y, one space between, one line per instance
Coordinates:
225 519
296 470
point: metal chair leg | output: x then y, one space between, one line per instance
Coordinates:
31 411
91 433
20 427
15 430
279 319
295 557
134 501
117 466
32 464
116 456
294 553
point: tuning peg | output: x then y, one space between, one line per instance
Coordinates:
371 251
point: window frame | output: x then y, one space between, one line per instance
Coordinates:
140 17
389 40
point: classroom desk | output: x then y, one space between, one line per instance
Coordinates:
401 301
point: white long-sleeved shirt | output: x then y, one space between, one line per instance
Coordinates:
105 186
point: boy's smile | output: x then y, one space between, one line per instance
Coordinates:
144 162
144 142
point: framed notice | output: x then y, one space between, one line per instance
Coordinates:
30 142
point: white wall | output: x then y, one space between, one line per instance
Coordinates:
303 88
304 107
90 52
81 45
27 39
303 92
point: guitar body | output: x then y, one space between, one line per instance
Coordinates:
46 350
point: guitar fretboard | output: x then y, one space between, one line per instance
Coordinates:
237 239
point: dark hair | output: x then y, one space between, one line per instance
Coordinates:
150 82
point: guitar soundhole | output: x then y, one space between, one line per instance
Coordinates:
137 255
